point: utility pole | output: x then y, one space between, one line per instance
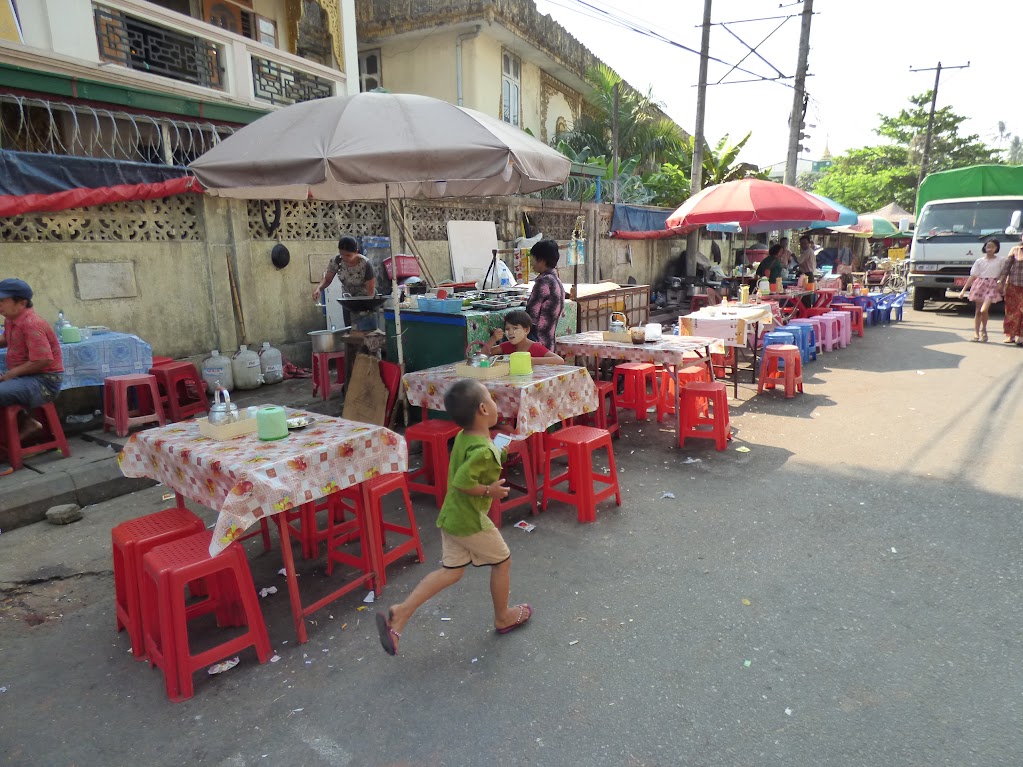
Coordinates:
798 96
696 175
930 119
614 147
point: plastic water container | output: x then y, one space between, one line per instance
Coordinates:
245 369
216 369
271 364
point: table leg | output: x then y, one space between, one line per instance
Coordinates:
292 578
756 346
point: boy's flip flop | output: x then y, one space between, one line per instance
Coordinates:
387 634
525 613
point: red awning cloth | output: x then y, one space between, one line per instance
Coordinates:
17 205
657 234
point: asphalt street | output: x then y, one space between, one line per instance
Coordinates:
847 592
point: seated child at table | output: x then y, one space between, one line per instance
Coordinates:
517 325
466 532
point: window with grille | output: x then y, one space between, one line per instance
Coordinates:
510 88
370 76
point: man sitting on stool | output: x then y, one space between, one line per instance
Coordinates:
35 365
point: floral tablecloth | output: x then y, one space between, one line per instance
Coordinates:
670 350
87 363
247 479
550 394
733 328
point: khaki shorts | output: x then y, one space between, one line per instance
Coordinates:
486 547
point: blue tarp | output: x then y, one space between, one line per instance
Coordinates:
633 218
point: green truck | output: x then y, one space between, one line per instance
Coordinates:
956 210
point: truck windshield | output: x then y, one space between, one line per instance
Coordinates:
969 219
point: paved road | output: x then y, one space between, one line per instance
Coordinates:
872 528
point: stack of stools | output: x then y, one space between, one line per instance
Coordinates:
801 337
829 330
781 363
639 387
856 317
579 443
844 327
606 414
666 385
130 542
10 439
182 390
518 454
813 339
167 569
704 413
321 373
432 477
369 495
775 338
116 410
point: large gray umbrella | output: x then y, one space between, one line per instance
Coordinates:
373 145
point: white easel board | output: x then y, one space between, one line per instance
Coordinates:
471 245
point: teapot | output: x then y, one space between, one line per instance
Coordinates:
478 359
222 411
764 286
618 325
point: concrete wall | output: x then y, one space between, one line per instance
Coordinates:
427 68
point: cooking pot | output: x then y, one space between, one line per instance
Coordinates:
327 340
361 303
222 411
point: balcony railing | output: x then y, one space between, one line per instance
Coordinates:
146 38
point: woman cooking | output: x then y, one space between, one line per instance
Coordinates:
353 269
547 300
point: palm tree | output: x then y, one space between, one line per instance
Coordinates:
1014 154
644 132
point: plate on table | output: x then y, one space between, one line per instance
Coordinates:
300 422
98 330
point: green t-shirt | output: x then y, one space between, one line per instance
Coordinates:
771 267
474 461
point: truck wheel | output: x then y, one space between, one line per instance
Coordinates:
919 296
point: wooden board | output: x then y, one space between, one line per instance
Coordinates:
470 246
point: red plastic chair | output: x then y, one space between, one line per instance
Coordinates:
639 387
232 595
432 476
704 413
116 411
321 373
668 398
580 443
390 374
53 434
519 454
182 390
130 541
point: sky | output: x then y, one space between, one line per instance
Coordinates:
861 54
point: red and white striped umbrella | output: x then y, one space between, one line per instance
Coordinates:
750 201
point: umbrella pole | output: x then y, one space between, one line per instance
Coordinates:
395 296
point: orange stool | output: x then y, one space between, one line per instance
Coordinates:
635 378
857 316
130 541
579 443
722 362
781 362
666 385
712 399
369 495
321 373
167 570
435 436
182 391
161 361
697 302
518 453
10 441
115 403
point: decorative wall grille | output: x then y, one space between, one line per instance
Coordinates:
147 47
554 225
171 219
430 222
280 84
319 220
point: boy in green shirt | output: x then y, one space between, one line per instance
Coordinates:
467 534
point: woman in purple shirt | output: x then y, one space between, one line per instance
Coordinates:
547 301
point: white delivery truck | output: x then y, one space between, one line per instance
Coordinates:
956 211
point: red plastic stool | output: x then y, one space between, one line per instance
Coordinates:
167 570
722 362
579 443
606 414
857 316
307 530
699 301
518 454
115 403
370 495
10 441
130 541
432 477
712 399
781 362
666 385
161 361
321 373
635 378
182 391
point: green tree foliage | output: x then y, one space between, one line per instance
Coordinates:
807 180
644 132
871 177
1014 154
671 182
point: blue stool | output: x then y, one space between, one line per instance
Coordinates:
801 338
774 338
810 331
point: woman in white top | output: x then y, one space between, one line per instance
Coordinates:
983 285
